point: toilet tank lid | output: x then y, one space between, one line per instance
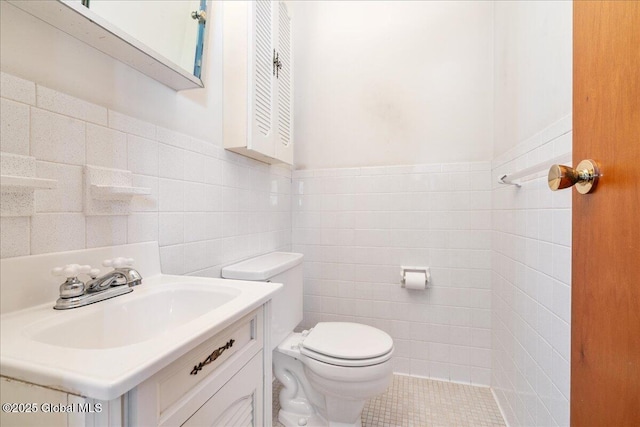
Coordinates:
263 267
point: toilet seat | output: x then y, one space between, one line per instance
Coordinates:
346 344
345 362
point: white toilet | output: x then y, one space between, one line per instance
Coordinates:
329 371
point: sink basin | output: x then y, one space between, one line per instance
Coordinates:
131 321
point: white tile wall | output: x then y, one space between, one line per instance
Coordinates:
132 126
190 204
14 132
67 196
531 279
142 227
356 227
109 230
55 232
106 147
15 230
57 138
52 100
142 155
17 89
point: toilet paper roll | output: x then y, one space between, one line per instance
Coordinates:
415 280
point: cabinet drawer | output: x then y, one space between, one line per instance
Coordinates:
174 393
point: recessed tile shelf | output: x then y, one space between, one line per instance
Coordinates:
115 192
14 184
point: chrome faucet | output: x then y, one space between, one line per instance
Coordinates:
98 284
74 293
122 274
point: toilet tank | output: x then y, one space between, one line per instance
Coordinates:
276 267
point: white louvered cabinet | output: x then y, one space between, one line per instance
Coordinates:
258 80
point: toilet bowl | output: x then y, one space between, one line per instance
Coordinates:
329 371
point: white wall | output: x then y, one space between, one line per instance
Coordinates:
392 82
531 279
533 78
69 105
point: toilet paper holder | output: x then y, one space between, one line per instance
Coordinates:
408 269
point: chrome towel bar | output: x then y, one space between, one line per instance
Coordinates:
516 178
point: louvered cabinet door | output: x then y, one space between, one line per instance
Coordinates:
262 111
237 404
258 80
284 137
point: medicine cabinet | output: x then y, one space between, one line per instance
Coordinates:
161 39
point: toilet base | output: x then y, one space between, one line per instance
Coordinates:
289 419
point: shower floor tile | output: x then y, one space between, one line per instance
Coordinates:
416 402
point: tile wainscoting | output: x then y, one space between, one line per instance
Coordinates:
531 283
208 207
356 227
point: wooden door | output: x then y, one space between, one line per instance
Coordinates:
605 333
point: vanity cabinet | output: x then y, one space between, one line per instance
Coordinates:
258 80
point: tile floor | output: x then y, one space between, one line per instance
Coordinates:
417 402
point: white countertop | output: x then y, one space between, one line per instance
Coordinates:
107 373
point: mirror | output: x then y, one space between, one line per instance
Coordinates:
174 29
163 39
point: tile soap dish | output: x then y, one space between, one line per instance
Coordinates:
117 192
109 191
18 183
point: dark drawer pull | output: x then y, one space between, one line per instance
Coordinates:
212 357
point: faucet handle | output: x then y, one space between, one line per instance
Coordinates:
93 273
72 287
118 262
71 270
